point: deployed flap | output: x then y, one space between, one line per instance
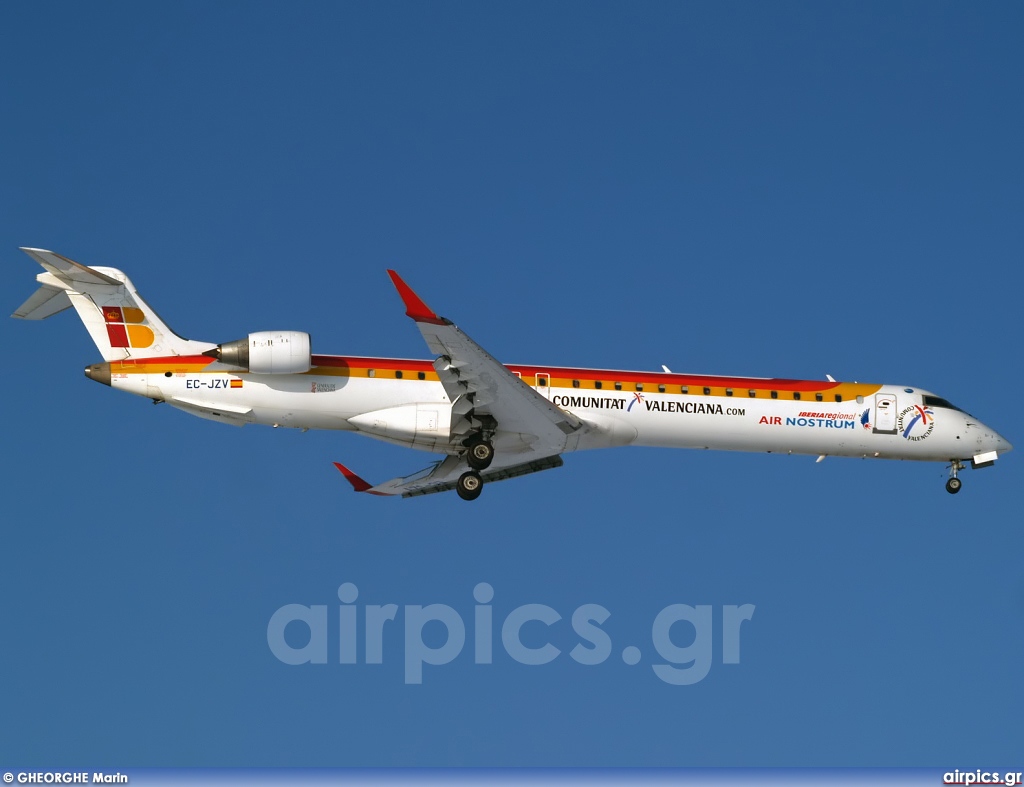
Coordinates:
484 393
442 476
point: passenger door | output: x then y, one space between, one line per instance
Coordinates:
885 414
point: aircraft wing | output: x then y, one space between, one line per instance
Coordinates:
484 393
441 476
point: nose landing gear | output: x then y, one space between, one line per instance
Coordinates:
953 484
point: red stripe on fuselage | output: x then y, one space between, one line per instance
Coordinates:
561 372
345 362
140 364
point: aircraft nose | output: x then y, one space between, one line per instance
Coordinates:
993 441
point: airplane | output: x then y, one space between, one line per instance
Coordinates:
491 421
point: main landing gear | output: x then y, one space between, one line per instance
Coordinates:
953 484
470 485
479 455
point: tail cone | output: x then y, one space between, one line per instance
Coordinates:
100 372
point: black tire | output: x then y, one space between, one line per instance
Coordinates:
953 485
480 454
470 485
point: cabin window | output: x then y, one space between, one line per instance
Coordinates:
752 393
575 383
707 391
421 375
728 391
618 386
661 389
839 397
542 381
398 374
818 397
598 384
775 394
796 394
639 386
371 372
685 389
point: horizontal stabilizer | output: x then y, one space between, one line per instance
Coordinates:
69 270
45 302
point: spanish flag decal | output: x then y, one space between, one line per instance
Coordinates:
236 383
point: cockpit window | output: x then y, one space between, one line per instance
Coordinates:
938 401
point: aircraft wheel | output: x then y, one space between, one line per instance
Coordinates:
470 485
953 485
480 454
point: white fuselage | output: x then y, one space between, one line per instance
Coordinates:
736 414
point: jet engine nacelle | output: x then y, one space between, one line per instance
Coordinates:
267 352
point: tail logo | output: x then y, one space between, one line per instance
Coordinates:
124 327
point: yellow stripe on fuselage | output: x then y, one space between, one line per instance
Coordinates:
608 382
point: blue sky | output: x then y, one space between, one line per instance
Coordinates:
775 189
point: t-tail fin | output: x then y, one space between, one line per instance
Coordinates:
119 321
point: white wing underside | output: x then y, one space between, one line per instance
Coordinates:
441 476
527 430
484 393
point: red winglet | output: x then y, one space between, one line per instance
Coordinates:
414 305
357 483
